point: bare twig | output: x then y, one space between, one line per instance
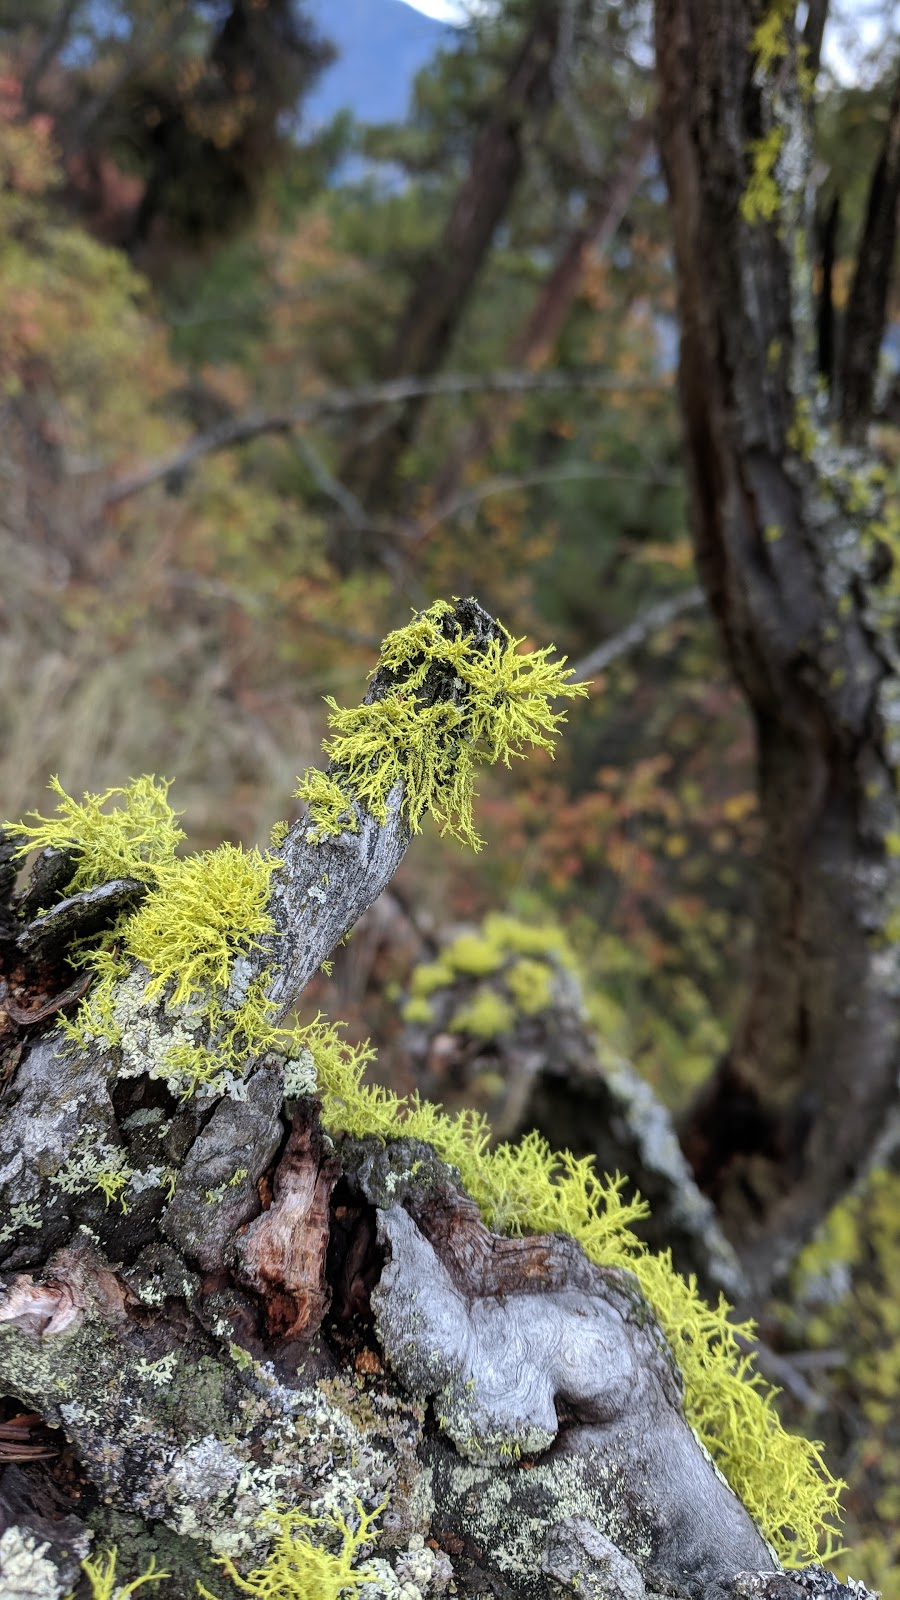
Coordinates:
508 483
589 151
329 485
342 402
644 626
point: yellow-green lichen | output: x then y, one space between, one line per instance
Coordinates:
417 1010
485 1016
801 435
330 807
102 1167
128 832
100 1572
505 949
199 915
528 1188
472 957
771 42
501 702
300 1568
429 976
761 198
206 910
530 983
527 938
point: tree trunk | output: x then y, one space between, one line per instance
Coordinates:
534 343
446 278
289 1322
795 578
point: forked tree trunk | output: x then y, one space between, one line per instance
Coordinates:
785 531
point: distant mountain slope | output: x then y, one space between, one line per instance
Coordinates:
382 44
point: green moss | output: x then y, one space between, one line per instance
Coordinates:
503 702
531 985
133 839
298 1568
484 1016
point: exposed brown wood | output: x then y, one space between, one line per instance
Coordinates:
281 1255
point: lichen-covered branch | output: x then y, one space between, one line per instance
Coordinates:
372 1357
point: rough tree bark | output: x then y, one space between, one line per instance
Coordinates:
300 1323
784 524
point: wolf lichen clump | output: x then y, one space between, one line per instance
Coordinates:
101 1575
528 1188
497 702
200 914
298 1569
134 839
517 961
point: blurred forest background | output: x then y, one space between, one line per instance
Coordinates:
291 344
